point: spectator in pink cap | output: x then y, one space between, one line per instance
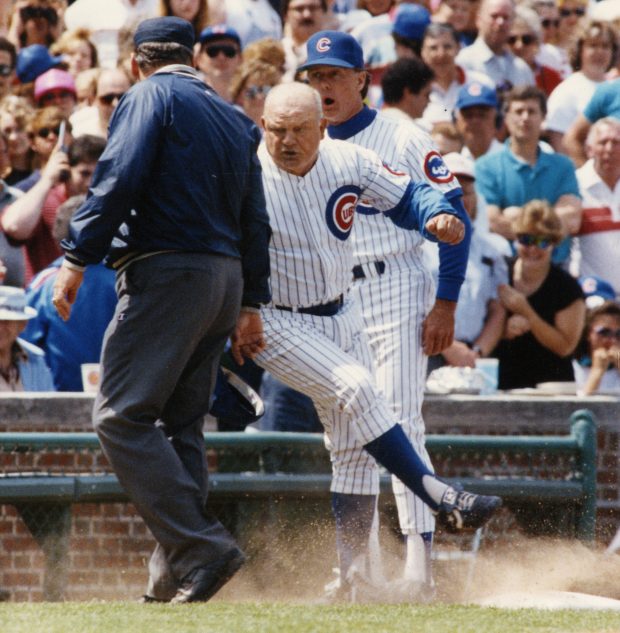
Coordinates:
56 87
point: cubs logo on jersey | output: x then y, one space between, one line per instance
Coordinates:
435 168
340 210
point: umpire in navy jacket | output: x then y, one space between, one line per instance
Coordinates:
176 206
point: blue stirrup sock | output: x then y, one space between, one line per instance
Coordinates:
354 515
394 452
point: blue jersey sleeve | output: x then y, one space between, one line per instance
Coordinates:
420 204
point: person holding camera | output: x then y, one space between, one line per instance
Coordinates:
30 219
34 22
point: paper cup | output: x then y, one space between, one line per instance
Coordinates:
90 377
489 367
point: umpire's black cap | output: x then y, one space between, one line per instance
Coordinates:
167 29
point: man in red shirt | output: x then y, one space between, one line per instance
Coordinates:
30 219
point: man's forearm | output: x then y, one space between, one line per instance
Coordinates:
20 219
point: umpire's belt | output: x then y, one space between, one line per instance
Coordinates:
323 309
372 267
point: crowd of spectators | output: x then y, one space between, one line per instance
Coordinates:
523 96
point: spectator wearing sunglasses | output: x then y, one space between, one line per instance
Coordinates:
8 59
34 22
112 84
30 220
592 54
522 171
570 14
597 362
549 54
43 129
524 41
251 84
545 305
218 57
56 88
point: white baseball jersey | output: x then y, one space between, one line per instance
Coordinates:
327 358
312 216
408 148
395 302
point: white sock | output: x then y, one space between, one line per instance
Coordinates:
416 563
435 488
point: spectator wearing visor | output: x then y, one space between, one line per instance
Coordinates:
218 57
56 88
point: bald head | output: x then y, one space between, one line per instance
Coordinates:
292 96
293 127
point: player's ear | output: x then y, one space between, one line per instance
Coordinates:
135 70
322 126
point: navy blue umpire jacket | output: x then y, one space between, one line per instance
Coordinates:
179 173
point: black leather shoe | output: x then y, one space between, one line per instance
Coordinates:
146 599
202 583
5 594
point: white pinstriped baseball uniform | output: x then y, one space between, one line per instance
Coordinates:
397 291
311 258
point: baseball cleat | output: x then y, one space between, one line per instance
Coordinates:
460 510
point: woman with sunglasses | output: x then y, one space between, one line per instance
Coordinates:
545 305
570 14
251 84
597 369
524 41
592 54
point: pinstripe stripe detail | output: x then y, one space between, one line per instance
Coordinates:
403 146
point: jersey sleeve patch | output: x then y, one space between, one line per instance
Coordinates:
340 210
435 168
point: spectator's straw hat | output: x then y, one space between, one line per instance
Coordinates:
13 306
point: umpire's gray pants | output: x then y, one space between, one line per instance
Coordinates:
159 362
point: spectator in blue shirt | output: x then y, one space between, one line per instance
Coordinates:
521 172
604 102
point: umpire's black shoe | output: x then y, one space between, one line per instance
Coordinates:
460 510
146 599
202 583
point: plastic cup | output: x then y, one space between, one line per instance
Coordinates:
90 377
489 367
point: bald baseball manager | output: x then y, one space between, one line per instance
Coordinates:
314 335
177 208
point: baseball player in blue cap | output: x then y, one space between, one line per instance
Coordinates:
314 340
405 318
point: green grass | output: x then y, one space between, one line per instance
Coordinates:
227 617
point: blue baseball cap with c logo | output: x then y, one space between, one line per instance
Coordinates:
333 48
